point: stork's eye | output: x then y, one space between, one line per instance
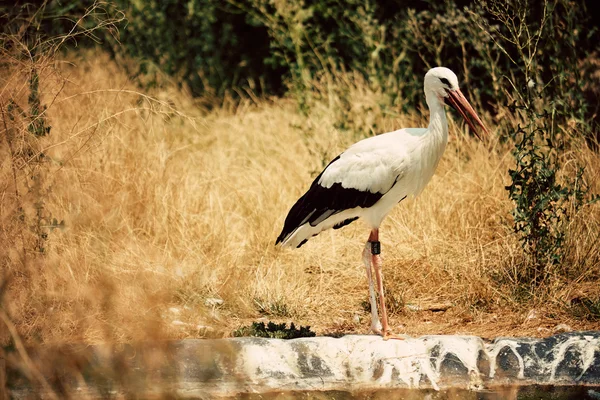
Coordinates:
445 81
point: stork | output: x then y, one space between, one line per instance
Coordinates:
373 175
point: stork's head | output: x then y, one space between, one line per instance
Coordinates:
443 83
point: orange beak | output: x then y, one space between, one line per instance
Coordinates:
458 101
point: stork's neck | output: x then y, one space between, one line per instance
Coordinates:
438 125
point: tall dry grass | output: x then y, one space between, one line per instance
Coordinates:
167 205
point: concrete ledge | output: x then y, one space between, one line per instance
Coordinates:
226 367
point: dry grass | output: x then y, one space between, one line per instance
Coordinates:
165 209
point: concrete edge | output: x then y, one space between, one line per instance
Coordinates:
225 367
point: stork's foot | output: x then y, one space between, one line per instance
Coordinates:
389 335
376 328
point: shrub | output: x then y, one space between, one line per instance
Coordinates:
29 40
275 331
543 59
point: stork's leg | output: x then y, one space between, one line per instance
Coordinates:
375 323
376 261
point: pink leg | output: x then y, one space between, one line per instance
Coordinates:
376 261
375 323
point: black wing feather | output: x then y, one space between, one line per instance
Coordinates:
319 201
344 223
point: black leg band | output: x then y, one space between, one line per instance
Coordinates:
376 247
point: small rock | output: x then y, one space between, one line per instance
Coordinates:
533 314
214 314
205 328
174 310
213 302
434 307
356 319
562 328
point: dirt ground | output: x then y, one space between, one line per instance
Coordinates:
415 323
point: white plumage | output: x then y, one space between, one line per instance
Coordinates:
373 175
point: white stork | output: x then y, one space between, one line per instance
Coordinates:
374 175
